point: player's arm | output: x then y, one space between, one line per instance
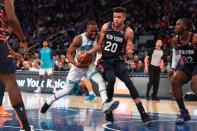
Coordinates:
13 53
175 54
175 57
72 49
162 66
100 39
194 41
129 39
14 23
146 61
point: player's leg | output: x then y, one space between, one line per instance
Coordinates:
108 104
88 85
3 112
194 80
150 83
50 73
123 74
74 76
180 78
110 78
8 78
41 76
156 83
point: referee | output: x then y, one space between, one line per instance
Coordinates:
154 65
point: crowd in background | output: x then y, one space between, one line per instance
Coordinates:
60 20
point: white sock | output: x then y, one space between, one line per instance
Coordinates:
91 93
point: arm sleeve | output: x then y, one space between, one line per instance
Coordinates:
175 58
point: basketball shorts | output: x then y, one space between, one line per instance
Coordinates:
6 65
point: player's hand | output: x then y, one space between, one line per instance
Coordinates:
19 56
88 53
171 73
146 69
24 45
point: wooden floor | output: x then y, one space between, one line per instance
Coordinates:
33 102
126 106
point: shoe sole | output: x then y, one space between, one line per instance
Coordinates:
182 122
112 107
149 122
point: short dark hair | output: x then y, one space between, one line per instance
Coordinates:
186 21
91 23
120 10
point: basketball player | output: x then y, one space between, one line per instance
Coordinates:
3 112
154 65
7 67
46 65
82 42
185 47
116 41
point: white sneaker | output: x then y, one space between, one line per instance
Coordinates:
110 106
38 90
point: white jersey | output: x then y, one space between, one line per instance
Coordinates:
75 73
86 44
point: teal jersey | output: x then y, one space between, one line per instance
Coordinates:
46 57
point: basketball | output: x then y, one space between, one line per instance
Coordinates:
84 58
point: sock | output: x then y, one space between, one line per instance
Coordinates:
91 93
21 115
140 108
180 103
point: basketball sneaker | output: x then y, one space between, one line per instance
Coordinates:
109 117
38 90
91 97
44 108
110 106
183 117
145 118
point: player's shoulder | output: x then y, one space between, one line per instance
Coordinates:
105 26
175 39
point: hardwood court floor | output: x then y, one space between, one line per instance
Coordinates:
74 113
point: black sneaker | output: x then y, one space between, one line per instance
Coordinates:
145 118
183 117
44 108
109 117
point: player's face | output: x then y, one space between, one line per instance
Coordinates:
180 26
45 44
159 43
92 31
118 19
